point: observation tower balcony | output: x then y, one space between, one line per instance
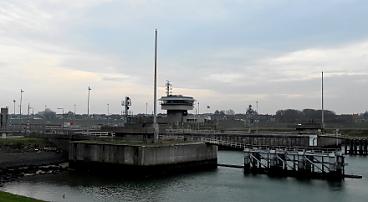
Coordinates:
177 103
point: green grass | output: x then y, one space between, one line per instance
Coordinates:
355 132
23 141
7 197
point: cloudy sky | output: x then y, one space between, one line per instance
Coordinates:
225 53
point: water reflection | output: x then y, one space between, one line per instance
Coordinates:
223 184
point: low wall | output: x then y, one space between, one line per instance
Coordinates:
85 152
329 142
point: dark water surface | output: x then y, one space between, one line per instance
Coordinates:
223 184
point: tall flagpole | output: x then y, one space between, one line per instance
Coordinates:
155 125
323 115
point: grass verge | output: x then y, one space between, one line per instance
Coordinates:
8 197
23 142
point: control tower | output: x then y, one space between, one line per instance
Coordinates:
177 106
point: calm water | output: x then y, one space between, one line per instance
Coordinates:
223 184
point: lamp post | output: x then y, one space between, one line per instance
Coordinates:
89 95
146 108
108 112
197 115
20 108
14 101
323 115
62 116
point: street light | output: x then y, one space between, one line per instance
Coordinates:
62 117
14 107
20 107
89 94
108 112
146 107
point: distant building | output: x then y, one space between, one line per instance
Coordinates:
200 118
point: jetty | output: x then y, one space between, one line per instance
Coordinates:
303 163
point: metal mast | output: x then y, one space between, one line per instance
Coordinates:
323 115
89 94
155 125
20 106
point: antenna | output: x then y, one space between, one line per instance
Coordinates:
168 88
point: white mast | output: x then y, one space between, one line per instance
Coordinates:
323 115
155 125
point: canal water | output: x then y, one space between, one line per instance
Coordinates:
223 184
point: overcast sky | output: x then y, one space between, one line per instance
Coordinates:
225 53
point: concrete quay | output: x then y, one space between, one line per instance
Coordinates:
139 158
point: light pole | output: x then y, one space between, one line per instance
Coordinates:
62 117
257 121
146 108
323 115
28 113
197 115
14 101
108 112
20 107
198 107
89 94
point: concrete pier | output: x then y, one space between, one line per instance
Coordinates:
142 158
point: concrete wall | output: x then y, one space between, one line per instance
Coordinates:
138 155
179 153
328 142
